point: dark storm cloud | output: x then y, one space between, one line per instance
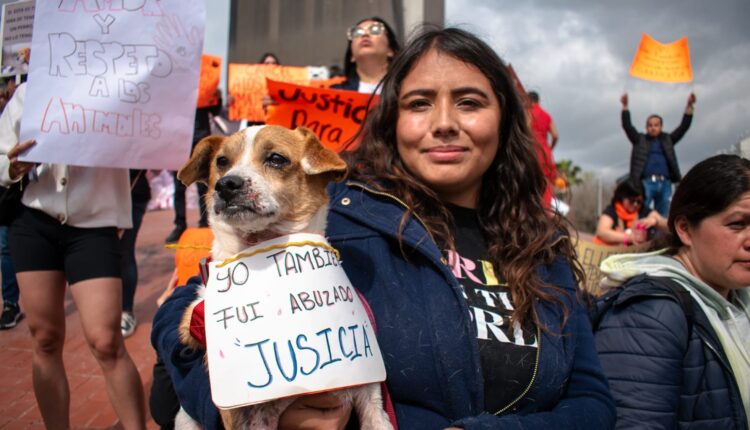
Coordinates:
577 55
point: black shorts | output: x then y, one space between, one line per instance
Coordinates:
39 242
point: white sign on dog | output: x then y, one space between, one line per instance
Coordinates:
282 319
114 83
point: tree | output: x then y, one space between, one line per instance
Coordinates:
569 172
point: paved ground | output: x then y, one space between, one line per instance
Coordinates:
90 407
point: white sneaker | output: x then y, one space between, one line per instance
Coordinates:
127 324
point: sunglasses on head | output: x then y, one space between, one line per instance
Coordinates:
374 29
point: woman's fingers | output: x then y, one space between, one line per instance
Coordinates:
316 411
19 168
20 148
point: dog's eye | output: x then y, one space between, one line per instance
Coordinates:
277 161
222 162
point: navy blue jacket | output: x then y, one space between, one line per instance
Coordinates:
350 84
429 346
664 372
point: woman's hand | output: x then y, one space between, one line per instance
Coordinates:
654 219
646 223
16 169
316 412
267 101
639 234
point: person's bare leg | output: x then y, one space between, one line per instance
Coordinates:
99 302
43 299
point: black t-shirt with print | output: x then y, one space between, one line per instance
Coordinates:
508 358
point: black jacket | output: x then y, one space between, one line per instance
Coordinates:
665 372
641 147
350 84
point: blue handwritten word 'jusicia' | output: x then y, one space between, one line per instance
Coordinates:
307 355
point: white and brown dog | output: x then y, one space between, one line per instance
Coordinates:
265 182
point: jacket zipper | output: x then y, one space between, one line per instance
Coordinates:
707 341
538 330
533 375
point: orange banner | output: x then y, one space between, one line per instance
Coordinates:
194 245
333 115
209 80
662 62
327 83
247 86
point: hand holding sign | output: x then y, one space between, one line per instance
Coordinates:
18 168
112 86
690 104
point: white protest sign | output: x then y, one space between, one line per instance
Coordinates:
114 83
282 320
17 25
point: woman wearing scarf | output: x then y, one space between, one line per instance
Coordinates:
626 221
675 367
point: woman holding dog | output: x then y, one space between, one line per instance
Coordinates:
687 358
62 236
473 285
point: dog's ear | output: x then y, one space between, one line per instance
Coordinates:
199 167
320 160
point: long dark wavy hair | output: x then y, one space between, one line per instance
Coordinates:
521 234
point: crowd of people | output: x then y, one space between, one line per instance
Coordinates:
445 227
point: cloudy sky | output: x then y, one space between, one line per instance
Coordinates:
577 53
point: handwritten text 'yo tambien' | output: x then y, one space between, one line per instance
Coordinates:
286 263
291 263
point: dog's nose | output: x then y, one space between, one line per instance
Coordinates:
228 186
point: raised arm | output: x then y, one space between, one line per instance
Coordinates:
627 126
687 119
553 133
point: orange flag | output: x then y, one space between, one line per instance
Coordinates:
209 80
662 62
247 85
333 115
